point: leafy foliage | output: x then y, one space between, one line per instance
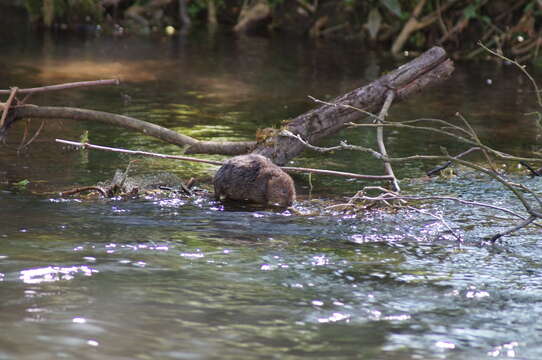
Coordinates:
64 10
455 24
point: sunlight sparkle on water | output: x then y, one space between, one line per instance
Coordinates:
171 203
445 345
320 260
79 320
93 343
505 350
192 255
267 267
474 293
334 318
54 273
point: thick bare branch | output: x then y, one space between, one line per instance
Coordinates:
150 129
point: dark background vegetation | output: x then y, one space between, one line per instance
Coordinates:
395 25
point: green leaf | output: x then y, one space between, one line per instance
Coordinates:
373 22
394 6
470 11
84 137
22 183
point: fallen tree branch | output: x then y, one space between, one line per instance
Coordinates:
428 69
147 128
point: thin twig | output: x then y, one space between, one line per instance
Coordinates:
531 170
465 202
64 86
448 163
346 106
187 158
499 154
342 145
25 133
84 188
478 141
7 105
36 134
439 218
513 229
136 152
521 67
336 173
380 138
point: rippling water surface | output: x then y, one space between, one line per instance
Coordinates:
186 278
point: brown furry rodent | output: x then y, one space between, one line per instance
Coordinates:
254 178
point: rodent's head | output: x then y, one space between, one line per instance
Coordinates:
281 190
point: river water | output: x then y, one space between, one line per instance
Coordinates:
186 278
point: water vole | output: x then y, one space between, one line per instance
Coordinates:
254 178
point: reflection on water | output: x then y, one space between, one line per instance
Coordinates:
53 273
188 278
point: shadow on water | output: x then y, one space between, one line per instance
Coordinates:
187 278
